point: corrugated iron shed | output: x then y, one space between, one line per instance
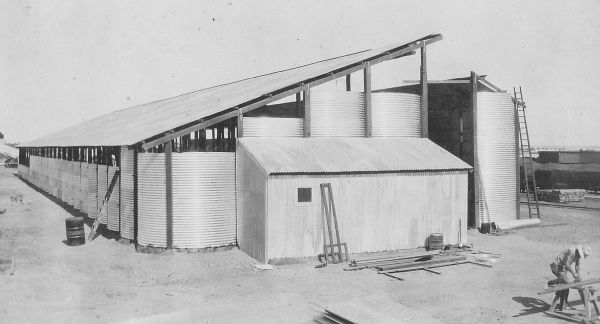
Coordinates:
349 155
133 125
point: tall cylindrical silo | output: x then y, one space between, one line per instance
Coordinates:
396 114
337 114
273 127
495 158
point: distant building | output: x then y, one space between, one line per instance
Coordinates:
569 157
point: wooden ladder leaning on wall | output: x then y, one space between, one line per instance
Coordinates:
530 185
103 206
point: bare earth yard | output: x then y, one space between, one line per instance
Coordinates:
107 281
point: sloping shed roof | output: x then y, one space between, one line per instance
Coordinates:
342 155
133 125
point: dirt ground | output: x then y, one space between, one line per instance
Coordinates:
105 281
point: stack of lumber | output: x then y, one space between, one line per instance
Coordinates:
391 260
561 195
411 262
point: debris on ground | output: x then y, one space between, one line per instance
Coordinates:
261 267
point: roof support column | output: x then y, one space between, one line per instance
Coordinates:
240 124
368 102
307 117
298 105
424 94
348 83
169 193
476 180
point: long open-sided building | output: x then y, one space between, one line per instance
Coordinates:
227 166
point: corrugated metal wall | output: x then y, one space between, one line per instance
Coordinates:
396 114
151 200
496 158
113 212
337 113
204 209
92 199
375 212
251 206
273 127
127 194
83 187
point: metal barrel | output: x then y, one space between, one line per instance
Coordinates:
75 231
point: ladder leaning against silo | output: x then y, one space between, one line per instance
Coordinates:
529 170
102 209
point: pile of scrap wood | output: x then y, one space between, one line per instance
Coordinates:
411 262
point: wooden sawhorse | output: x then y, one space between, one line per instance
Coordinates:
586 292
590 303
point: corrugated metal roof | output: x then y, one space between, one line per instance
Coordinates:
341 155
132 125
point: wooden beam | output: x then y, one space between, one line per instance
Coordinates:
169 191
424 94
307 112
439 81
368 101
348 82
475 148
571 285
404 50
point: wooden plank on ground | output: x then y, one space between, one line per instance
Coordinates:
425 264
439 265
569 286
399 257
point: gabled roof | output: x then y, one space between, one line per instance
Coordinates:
136 124
344 155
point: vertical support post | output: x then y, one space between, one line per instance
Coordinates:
298 105
307 116
475 149
348 82
240 124
424 94
368 101
169 191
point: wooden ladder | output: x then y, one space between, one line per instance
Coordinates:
329 216
103 206
530 185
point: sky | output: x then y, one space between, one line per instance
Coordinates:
63 62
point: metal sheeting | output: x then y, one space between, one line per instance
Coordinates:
102 188
496 157
204 206
92 198
337 114
396 115
83 187
113 202
127 197
337 155
152 200
273 127
131 125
